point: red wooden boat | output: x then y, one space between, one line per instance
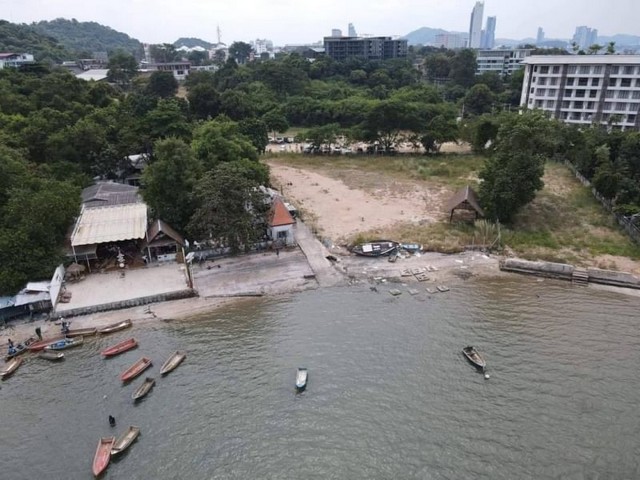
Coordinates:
103 455
37 346
120 347
136 369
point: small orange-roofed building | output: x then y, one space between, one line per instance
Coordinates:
281 223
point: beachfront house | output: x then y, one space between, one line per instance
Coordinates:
281 223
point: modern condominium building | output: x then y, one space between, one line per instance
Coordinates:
503 62
368 48
585 89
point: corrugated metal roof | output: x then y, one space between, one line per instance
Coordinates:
96 74
110 224
110 193
37 287
27 298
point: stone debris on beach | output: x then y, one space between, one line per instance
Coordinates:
413 291
442 288
431 290
395 292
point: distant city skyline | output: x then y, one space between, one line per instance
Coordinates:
288 21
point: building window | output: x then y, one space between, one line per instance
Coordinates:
631 119
628 70
572 69
591 105
570 81
584 69
552 92
544 69
621 106
615 70
568 93
593 93
583 82
580 93
609 94
538 103
564 115
608 106
532 90
638 82
613 82
566 104
625 82
556 70
636 95
578 105
553 81
595 82
541 92
551 104
623 94
535 69
597 69
542 81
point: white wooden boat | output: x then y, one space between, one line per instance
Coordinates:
172 362
125 440
143 389
10 367
49 355
301 379
115 327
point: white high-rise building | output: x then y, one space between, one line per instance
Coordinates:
540 36
488 38
585 37
352 30
475 26
585 89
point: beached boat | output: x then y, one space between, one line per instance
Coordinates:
136 369
49 355
115 327
474 357
39 345
19 349
377 248
65 343
10 367
119 348
125 440
143 389
411 247
81 332
103 455
172 362
301 379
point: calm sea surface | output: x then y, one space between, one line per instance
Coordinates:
390 395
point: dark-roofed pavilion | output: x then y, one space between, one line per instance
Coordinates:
465 199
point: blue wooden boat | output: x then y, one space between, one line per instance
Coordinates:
65 343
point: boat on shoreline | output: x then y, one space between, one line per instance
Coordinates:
81 332
136 369
103 455
65 343
115 327
125 440
143 389
119 348
40 344
49 355
474 357
19 349
10 367
377 248
301 379
172 362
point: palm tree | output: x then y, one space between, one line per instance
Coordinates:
611 48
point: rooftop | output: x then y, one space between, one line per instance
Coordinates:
110 224
583 60
96 74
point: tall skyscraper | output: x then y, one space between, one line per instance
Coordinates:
488 37
475 26
352 30
336 32
585 37
540 36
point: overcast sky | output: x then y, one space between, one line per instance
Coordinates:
300 21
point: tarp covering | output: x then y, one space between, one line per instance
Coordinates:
110 224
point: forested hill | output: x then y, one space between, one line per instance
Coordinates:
23 38
191 42
84 38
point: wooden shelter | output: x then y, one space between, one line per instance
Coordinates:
465 199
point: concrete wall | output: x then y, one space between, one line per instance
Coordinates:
133 302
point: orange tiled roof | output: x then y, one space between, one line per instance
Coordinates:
279 214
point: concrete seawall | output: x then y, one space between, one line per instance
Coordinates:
132 302
564 271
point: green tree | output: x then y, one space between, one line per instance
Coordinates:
240 52
122 68
606 179
168 182
276 122
230 207
167 120
439 130
478 100
389 120
463 68
204 101
511 177
220 141
162 85
256 131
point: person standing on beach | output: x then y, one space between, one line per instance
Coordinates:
39 333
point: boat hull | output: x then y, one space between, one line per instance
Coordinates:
136 369
144 389
172 362
119 348
474 358
81 332
125 441
103 455
52 356
116 327
39 345
11 366
20 349
64 344
378 248
301 379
